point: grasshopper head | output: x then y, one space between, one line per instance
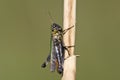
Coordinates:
56 28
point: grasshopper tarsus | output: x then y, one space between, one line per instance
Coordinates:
60 70
43 65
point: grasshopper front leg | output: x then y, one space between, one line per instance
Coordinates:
64 31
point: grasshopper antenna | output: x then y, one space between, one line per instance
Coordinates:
51 19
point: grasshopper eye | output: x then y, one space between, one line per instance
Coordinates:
60 29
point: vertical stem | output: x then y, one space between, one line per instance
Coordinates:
69 39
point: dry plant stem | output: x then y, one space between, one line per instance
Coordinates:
69 39
69 68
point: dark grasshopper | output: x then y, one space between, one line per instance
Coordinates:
56 56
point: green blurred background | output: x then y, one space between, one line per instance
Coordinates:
25 35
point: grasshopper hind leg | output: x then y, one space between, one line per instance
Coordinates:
46 62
